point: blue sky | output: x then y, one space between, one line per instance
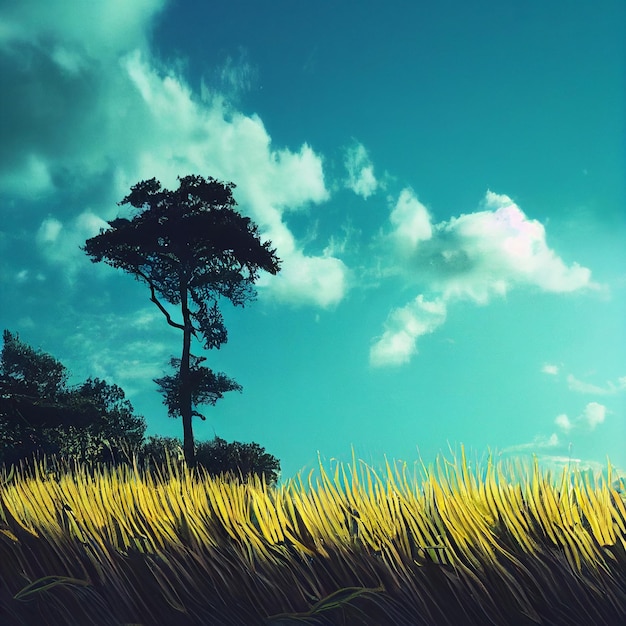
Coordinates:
444 183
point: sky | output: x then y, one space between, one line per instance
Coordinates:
444 184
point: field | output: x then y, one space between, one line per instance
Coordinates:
502 545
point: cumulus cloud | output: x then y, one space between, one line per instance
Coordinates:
319 281
361 179
473 257
593 415
98 27
487 253
550 369
61 62
563 422
403 327
92 110
411 222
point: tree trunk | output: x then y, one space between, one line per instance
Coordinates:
185 385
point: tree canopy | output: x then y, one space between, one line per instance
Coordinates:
193 249
41 413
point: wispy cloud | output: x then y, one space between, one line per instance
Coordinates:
361 179
540 442
403 327
550 369
609 389
474 257
122 348
234 77
60 243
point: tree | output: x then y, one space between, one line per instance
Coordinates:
220 457
40 413
216 457
28 372
112 428
192 249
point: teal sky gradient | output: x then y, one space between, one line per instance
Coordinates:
443 181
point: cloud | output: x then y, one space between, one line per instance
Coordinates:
411 222
92 113
305 280
563 422
121 348
550 369
473 257
361 179
487 253
60 243
611 388
593 415
402 329
61 62
232 78
96 29
49 231
540 442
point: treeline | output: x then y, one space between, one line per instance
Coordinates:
93 422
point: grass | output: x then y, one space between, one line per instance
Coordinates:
344 545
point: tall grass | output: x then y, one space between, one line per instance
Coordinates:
345 545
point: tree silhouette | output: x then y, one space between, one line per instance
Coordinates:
40 413
192 249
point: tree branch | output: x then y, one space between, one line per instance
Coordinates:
154 299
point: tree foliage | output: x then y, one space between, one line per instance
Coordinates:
193 249
41 414
221 457
216 457
207 387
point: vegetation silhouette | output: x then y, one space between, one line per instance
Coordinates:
93 423
192 249
41 415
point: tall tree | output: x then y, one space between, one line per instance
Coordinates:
193 249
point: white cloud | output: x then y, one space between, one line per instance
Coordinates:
411 221
491 251
235 76
473 257
540 442
49 231
361 179
610 387
306 280
563 422
113 117
402 329
96 28
61 244
593 414
231 146
550 369
116 348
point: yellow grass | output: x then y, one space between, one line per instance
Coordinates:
344 543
